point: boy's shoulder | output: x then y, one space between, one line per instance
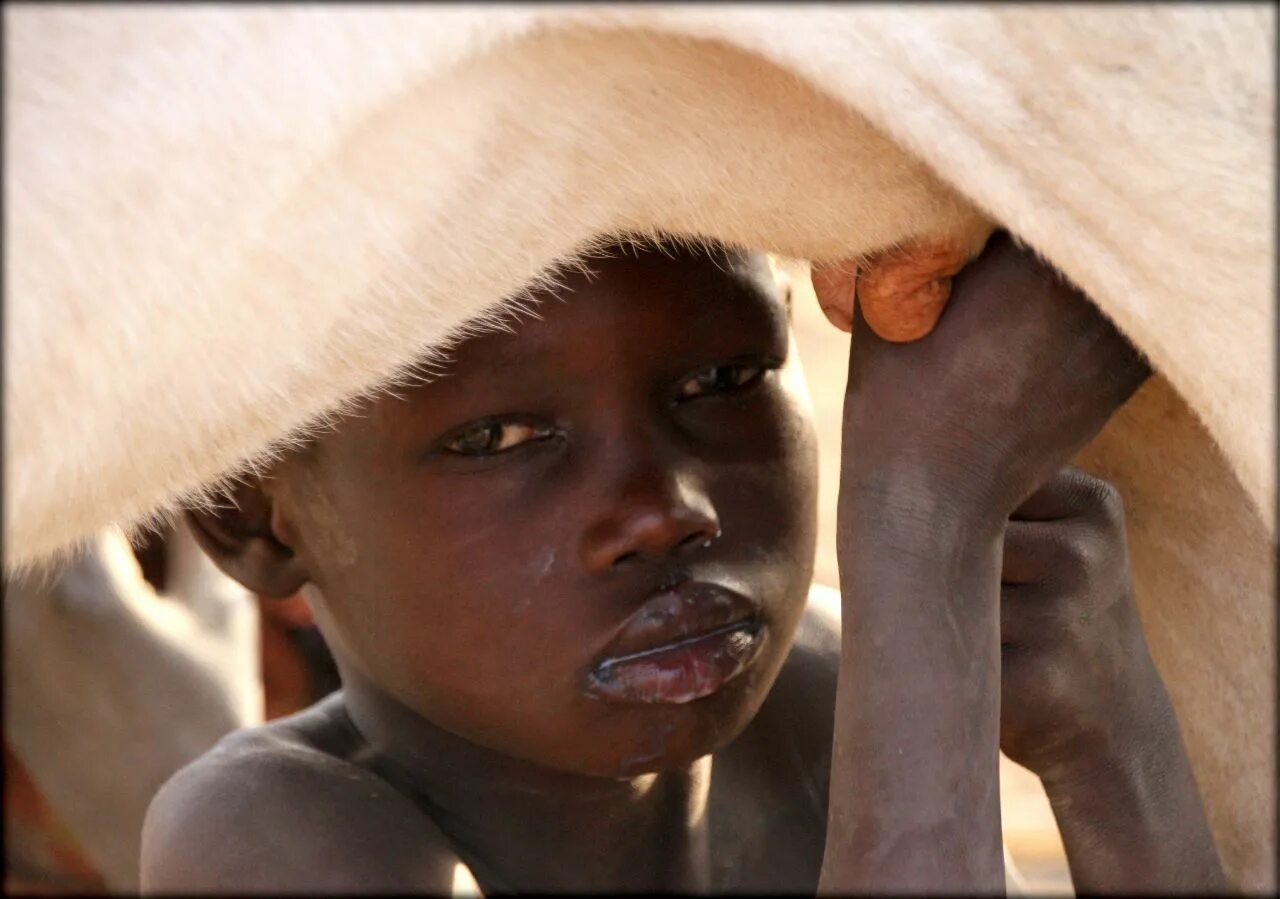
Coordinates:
818 635
287 806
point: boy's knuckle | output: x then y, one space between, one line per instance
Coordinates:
1091 553
1103 502
1087 550
1071 557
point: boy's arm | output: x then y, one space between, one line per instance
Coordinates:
915 801
288 819
943 439
1131 818
1084 706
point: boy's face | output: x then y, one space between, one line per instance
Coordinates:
588 545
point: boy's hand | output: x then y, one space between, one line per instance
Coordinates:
1021 371
1082 704
1075 670
944 439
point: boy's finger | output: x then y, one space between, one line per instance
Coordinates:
1028 552
1062 496
1014 629
834 284
1034 616
1026 622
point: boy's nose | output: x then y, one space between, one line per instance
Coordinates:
655 515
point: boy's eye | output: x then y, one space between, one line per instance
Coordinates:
725 378
488 438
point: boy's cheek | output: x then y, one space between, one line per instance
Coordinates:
772 425
793 380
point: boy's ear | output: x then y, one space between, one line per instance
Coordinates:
238 536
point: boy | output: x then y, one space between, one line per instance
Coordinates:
565 586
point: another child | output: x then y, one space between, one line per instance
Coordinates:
565 585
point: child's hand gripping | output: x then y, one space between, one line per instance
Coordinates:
1082 704
944 440
1075 670
1021 372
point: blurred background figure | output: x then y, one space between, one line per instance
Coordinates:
121 666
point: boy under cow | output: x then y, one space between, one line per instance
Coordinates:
1137 164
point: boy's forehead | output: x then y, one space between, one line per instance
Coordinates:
659 302
662 266
664 287
630 288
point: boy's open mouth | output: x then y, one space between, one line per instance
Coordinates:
681 645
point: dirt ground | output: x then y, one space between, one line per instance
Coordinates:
1029 829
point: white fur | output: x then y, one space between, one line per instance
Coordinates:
227 223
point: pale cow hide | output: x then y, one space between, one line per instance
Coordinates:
225 224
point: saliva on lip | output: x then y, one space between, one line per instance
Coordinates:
681 673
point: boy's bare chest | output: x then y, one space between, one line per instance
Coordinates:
766 819
761 832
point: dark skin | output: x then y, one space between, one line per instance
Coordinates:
471 549
994 603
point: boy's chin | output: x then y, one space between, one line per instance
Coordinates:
678 736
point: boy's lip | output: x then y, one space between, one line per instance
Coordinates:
682 644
